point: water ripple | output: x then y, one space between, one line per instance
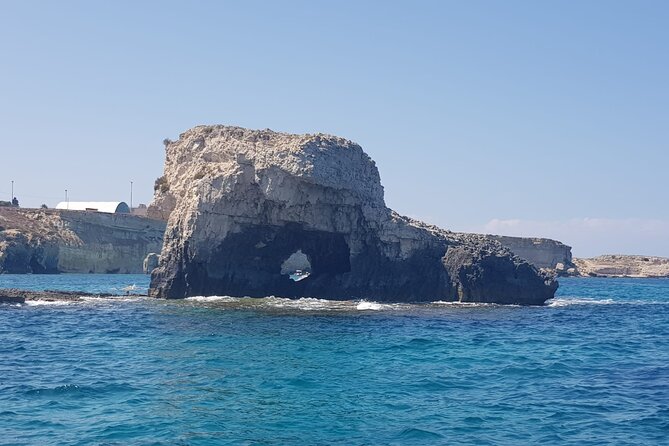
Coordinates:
591 369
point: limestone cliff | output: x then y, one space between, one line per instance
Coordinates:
52 241
540 252
241 203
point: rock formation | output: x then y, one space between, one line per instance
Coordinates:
150 262
540 252
53 241
242 202
15 296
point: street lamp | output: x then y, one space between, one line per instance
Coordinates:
67 202
131 196
12 197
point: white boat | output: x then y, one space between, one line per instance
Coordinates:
299 275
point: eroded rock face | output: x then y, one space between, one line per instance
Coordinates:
241 202
150 262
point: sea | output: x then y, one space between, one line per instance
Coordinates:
589 368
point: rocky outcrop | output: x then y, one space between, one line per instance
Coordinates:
540 252
242 202
53 241
15 296
151 262
622 266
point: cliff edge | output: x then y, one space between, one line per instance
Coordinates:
543 253
258 213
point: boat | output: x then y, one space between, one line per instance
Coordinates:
298 275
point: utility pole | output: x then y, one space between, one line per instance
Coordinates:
131 197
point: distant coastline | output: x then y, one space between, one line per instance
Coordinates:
629 266
51 241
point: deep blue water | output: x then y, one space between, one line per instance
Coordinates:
591 368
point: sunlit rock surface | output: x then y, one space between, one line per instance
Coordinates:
540 252
242 202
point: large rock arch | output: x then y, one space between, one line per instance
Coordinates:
240 202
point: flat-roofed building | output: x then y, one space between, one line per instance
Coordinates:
109 207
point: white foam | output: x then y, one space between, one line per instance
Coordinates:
212 298
111 299
374 306
37 303
456 303
565 302
305 303
302 304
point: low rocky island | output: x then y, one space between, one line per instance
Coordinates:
556 257
259 213
622 266
15 296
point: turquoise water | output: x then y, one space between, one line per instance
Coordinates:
590 368
90 283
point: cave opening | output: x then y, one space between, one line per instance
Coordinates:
264 260
297 266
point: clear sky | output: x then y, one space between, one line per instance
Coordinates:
533 118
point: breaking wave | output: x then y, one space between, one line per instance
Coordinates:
469 304
302 304
212 298
568 301
365 305
571 301
39 303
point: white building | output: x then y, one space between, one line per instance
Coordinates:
109 207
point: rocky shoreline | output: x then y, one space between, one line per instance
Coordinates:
17 296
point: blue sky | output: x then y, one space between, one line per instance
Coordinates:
525 118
